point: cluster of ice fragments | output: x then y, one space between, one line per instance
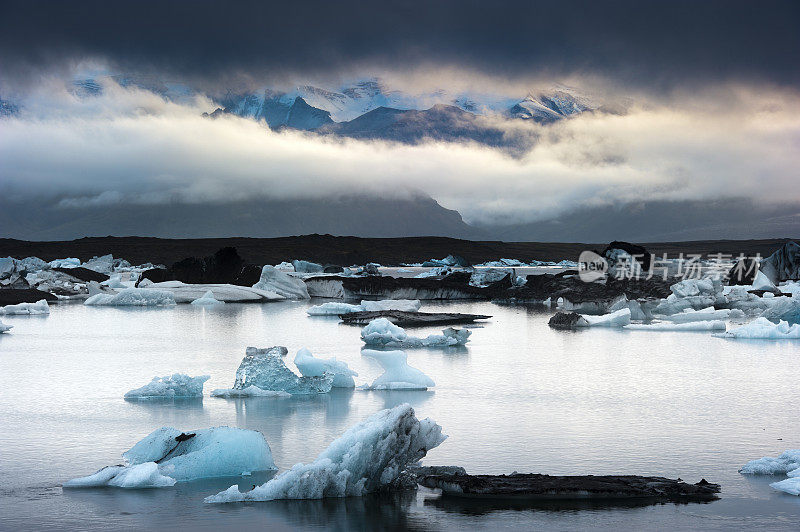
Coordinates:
38 308
369 457
787 463
382 332
263 370
136 297
167 456
397 374
335 308
173 386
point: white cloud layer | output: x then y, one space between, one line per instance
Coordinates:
128 145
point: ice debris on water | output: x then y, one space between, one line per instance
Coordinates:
274 280
170 386
384 333
335 308
38 308
787 463
266 370
167 456
762 328
133 297
368 457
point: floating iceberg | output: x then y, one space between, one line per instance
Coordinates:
708 313
266 370
384 333
207 299
335 308
762 282
303 266
5 328
784 308
114 281
133 297
250 391
368 457
274 280
104 264
397 374
71 262
485 277
38 308
170 386
787 463
619 318
762 328
229 293
310 366
790 486
167 456
709 325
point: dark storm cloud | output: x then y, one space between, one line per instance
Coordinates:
644 43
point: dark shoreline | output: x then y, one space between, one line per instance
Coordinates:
347 250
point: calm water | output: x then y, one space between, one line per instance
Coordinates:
520 397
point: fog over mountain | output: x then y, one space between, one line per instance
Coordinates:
484 128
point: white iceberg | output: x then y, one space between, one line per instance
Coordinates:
207 300
784 308
397 374
133 297
167 456
384 333
281 283
790 486
369 456
619 318
762 282
114 281
171 386
335 308
788 463
708 325
5 328
71 262
265 369
310 366
104 264
708 313
228 293
762 328
38 308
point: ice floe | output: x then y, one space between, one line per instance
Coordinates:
788 463
485 277
4 327
366 458
762 328
133 297
171 386
71 262
384 333
709 313
104 264
335 308
229 293
310 366
114 281
619 318
167 456
707 325
208 299
40 307
266 370
397 374
784 308
281 283
304 266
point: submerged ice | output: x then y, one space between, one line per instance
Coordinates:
167 456
369 457
384 333
171 386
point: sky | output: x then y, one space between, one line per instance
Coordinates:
712 91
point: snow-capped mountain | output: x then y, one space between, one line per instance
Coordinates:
547 107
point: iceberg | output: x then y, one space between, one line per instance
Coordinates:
281 283
485 277
368 457
708 325
708 313
5 328
138 297
384 333
207 299
38 308
228 293
784 308
304 266
790 486
397 374
114 281
787 463
762 328
335 308
266 370
71 262
170 386
250 391
310 366
167 456
619 318
104 264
